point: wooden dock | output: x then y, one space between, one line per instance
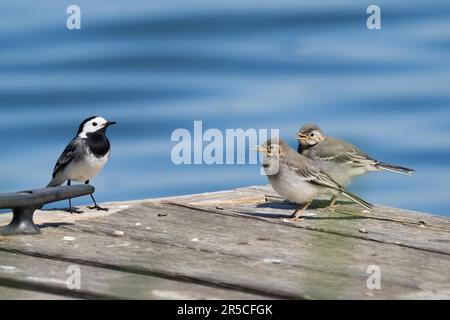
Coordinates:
228 245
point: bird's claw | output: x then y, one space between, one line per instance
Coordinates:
331 208
98 208
295 219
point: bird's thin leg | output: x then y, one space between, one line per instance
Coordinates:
332 202
72 210
70 200
95 206
295 216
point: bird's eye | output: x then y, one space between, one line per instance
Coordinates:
94 124
312 135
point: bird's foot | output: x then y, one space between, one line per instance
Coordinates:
296 219
332 208
74 210
98 208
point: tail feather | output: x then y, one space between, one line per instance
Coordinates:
398 169
357 199
54 183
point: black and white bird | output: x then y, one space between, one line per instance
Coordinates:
340 159
84 156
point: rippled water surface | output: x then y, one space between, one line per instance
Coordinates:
155 66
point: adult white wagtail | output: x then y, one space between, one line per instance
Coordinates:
298 178
340 159
84 156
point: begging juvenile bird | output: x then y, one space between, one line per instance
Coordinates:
340 159
298 178
84 156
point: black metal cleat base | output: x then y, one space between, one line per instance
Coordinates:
22 223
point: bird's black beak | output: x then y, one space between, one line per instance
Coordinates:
110 123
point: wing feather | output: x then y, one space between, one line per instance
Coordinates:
341 152
66 157
314 175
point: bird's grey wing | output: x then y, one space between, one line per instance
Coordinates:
314 175
66 156
341 152
319 177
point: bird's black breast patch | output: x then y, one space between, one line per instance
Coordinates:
98 144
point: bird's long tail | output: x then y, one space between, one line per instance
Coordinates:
357 199
54 183
398 169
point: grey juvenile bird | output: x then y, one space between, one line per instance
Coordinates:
340 159
84 156
298 178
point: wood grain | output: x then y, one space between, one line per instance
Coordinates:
233 244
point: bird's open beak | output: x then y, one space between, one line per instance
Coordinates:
302 136
110 123
261 149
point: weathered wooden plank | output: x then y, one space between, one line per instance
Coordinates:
381 224
242 253
18 294
236 239
25 274
337 222
258 195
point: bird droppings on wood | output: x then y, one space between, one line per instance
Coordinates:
7 268
274 261
322 257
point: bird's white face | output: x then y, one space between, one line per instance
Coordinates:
272 149
310 138
93 125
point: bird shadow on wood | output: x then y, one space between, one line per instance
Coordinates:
54 224
66 210
263 214
285 205
333 218
316 204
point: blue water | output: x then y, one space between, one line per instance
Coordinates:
155 66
